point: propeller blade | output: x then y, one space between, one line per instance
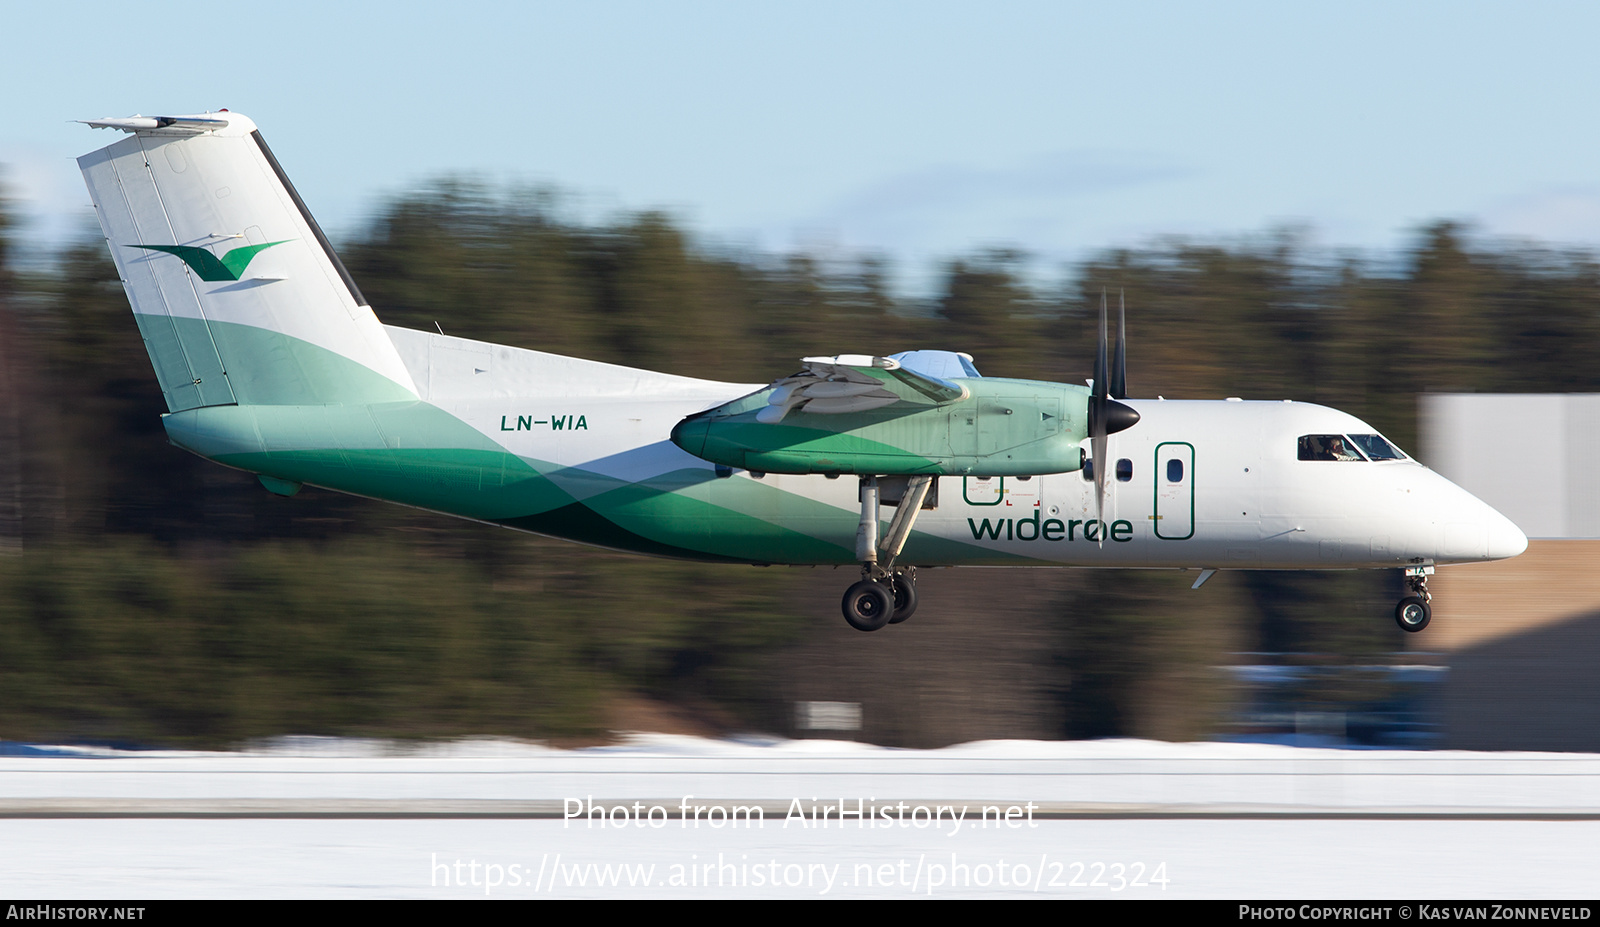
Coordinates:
1097 450
1119 361
1097 423
1106 415
1100 346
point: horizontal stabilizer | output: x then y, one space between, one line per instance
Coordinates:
190 124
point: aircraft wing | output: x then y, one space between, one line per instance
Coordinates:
855 383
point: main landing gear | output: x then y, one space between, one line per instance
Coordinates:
887 598
1413 612
886 594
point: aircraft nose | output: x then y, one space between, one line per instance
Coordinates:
1505 539
1466 528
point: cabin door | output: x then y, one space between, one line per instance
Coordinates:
1174 502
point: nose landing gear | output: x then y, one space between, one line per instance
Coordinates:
1413 612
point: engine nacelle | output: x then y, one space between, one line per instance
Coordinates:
1002 428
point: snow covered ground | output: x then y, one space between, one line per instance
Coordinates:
662 816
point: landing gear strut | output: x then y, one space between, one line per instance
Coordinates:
1413 612
886 594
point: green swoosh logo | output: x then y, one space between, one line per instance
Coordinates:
211 269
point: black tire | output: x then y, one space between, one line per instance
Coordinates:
905 599
1412 614
868 606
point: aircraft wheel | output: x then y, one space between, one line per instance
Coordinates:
868 606
1412 614
905 599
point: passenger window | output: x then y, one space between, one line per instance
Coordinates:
1327 447
1124 470
1174 470
1088 470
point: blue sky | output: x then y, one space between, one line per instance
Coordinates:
917 130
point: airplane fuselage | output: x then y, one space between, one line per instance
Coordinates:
579 450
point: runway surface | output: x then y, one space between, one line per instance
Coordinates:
666 816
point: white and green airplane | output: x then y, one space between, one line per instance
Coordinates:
271 361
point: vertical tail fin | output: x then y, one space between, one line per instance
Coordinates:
237 292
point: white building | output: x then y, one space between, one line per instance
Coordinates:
1522 635
1533 456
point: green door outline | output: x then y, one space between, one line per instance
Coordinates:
1161 480
999 491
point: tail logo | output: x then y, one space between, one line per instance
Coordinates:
209 267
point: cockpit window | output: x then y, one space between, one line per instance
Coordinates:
1328 447
1376 448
